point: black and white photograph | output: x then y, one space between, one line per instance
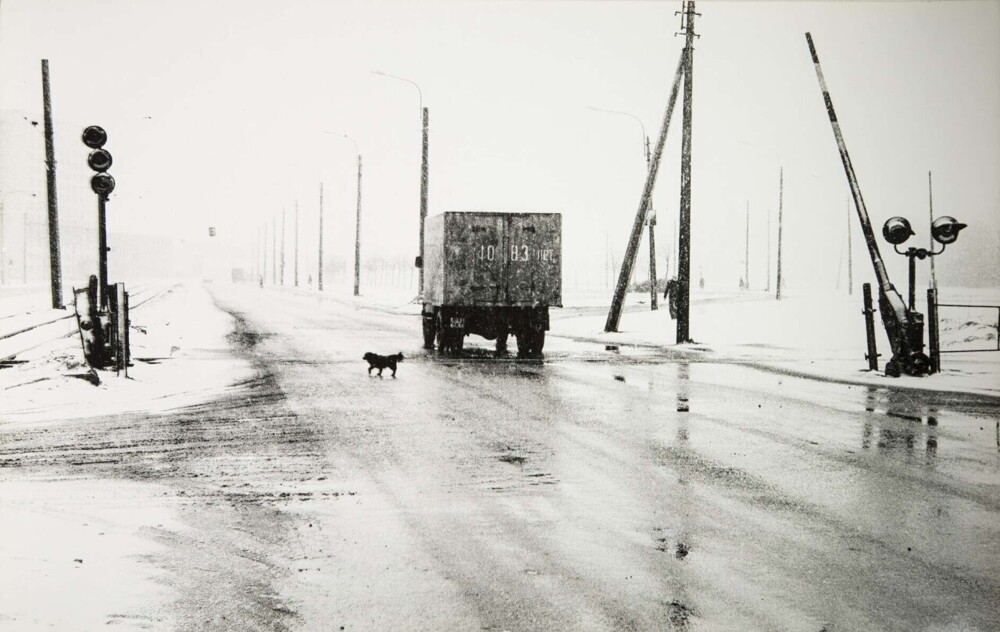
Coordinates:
499 315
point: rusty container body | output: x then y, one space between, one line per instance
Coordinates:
491 274
494 259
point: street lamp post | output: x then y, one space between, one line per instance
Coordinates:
357 220
424 177
651 215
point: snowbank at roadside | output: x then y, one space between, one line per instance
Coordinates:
180 355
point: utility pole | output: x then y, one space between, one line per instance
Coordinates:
3 249
649 211
55 266
319 273
282 246
274 251
850 255
746 252
767 286
263 268
296 265
256 249
684 236
930 199
423 197
357 222
24 248
652 243
614 314
781 195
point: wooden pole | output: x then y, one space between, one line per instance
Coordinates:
55 266
930 200
423 193
319 272
850 253
746 252
684 236
296 264
781 195
357 226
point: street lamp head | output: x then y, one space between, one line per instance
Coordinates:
945 229
896 230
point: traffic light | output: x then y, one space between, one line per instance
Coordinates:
99 160
945 229
896 230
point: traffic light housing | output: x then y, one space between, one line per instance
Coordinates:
896 230
94 137
99 160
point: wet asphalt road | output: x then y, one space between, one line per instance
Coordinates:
587 491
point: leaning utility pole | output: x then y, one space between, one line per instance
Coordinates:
781 195
55 267
296 264
684 236
614 314
357 222
423 200
319 273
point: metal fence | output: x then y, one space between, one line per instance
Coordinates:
987 330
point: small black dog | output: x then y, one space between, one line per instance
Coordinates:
380 362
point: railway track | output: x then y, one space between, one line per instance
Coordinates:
27 331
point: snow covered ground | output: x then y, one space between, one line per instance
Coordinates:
817 335
180 354
180 347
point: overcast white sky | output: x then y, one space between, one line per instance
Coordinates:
224 112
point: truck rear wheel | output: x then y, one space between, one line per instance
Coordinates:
502 341
530 343
538 341
430 331
442 333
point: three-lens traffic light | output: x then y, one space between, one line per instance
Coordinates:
99 160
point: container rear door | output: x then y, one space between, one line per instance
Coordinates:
476 263
534 253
